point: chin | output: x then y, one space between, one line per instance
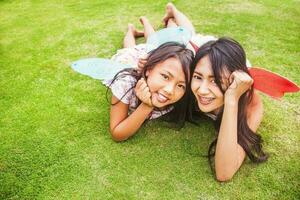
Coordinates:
205 109
158 105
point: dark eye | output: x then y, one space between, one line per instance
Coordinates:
195 76
181 86
166 77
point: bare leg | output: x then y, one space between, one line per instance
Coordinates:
171 23
132 33
180 19
148 28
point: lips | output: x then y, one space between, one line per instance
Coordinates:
205 100
161 98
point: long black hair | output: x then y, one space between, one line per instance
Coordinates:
156 56
226 56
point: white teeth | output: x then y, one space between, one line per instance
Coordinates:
161 98
205 100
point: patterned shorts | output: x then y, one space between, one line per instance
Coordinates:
130 56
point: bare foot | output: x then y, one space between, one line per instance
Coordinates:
148 28
171 23
144 20
170 10
135 32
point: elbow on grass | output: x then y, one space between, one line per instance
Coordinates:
116 136
224 172
223 177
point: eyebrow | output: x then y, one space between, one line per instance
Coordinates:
170 74
210 76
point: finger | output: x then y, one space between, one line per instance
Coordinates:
150 103
138 69
149 99
238 77
145 91
140 66
139 83
144 82
143 86
143 61
252 81
246 79
244 76
232 80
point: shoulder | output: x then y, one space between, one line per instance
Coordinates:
255 112
122 87
125 76
256 103
199 39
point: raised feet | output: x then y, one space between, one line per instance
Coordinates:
144 20
171 23
136 33
170 11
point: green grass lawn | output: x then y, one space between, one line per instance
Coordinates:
54 135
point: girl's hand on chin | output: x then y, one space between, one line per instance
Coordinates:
142 91
240 82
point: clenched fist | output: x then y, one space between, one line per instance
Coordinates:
240 83
142 91
141 63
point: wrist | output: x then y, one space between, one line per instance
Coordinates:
146 106
231 100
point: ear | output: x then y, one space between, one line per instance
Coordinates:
148 72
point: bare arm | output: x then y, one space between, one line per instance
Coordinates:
229 154
123 126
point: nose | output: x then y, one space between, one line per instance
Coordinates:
203 88
169 88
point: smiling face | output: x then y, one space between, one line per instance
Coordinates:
208 95
166 82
